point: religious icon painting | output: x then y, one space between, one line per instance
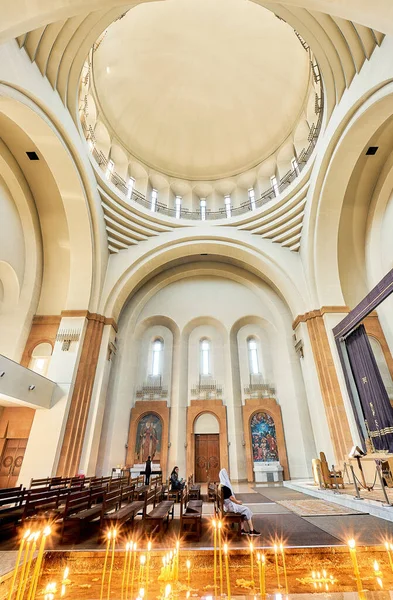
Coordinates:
264 439
148 438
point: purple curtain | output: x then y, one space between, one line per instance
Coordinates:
373 396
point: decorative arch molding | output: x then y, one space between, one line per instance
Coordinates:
272 408
141 409
272 268
195 410
10 287
74 188
339 160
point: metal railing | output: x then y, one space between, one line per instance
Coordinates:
207 214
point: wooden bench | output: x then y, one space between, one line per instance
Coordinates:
162 509
81 508
119 508
194 489
190 515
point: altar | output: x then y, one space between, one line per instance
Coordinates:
265 472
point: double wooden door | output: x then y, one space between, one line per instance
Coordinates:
207 457
11 461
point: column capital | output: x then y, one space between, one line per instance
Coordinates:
319 312
90 317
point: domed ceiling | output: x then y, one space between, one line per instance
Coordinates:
201 89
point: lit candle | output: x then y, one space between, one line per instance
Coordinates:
21 546
285 568
23 571
38 563
261 568
64 582
123 581
32 550
215 555
352 551
142 562
108 541
114 533
227 571
388 549
263 561
149 544
220 553
188 564
277 569
177 560
252 562
133 570
168 590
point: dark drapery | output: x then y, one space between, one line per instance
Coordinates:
373 396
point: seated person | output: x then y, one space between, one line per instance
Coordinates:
231 504
174 480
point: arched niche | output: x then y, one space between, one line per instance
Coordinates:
40 358
206 423
148 434
212 416
9 288
271 408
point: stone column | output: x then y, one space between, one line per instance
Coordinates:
335 409
71 450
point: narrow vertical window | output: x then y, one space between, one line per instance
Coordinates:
154 196
156 358
295 166
131 183
110 168
203 208
205 357
251 197
274 183
227 202
178 206
253 356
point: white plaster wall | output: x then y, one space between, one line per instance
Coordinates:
264 355
209 306
12 245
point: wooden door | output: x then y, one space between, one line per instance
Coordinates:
11 461
207 457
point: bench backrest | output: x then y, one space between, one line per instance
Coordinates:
77 501
45 481
112 500
127 494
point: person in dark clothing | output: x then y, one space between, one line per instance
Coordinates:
147 470
174 480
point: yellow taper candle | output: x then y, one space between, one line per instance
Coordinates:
142 563
32 550
37 568
108 542
188 565
23 570
352 551
285 568
149 545
133 569
215 555
123 581
114 533
219 526
277 569
252 562
26 535
388 550
227 571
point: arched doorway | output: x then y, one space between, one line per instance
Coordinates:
207 448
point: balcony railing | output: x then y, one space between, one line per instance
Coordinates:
152 389
206 389
207 214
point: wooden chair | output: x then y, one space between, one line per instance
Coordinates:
330 478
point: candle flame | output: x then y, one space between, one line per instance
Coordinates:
219 525
275 548
214 523
47 531
149 546
281 548
63 590
324 573
313 574
142 592
225 548
135 546
258 556
164 561
351 543
168 589
251 547
177 544
379 581
26 534
391 546
188 563
387 545
376 565
109 535
66 573
114 533
127 546
263 558
143 559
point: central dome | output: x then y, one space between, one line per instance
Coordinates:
201 89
